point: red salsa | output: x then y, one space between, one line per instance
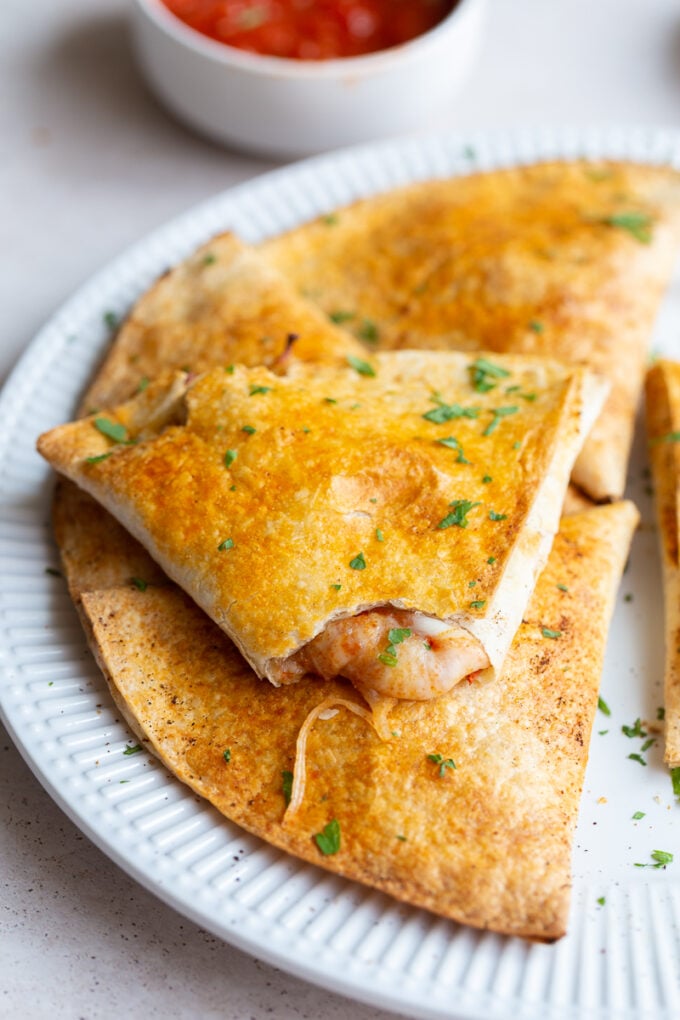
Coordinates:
311 29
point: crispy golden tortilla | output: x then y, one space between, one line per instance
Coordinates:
487 842
284 503
663 428
568 260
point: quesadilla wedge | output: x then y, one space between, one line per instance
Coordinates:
330 522
663 429
567 260
467 810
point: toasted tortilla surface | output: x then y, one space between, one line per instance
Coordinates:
564 259
281 503
663 429
487 843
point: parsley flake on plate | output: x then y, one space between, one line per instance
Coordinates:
132 749
675 780
638 815
229 457
635 730
660 857
328 840
638 758
603 706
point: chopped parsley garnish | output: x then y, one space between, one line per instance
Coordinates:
670 437
443 763
111 429
402 838
458 516
493 516
638 815
660 857
336 587
638 224
142 384
139 583
358 563
535 326
53 572
259 389
111 320
209 259
328 840
228 543
368 332
478 604
561 587
379 535
453 444
603 707
98 458
648 743
229 369
360 366
229 457
226 754
484 375
491 559
498 413
249 429
395 637
601 900
675 780
547 632
287 785
132 748
635 730
447 412
330 220
329 400
638 758
486 479
661 713
340 316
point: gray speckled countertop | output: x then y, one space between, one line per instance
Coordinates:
89 164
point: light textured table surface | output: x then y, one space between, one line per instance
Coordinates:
89 164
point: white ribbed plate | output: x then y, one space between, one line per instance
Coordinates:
620 960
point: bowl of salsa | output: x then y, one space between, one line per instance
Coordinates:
292 77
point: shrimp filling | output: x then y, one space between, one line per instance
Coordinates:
397 653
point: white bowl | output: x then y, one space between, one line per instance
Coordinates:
287 107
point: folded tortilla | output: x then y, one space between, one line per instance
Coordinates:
467 810
569 260
331 522
663 429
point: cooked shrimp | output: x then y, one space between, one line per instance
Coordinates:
393 652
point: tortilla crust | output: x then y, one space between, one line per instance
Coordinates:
266 541
487 843
568 260
663 425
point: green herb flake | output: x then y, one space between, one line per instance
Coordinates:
491 559
478 604
142 384
98 458
443 763
368 332
248 429
662 858
111 429
498 413
110 320
638 758
638 815
379 535
648 743
602 733
360 366
53 572
484 375
336 587
388 658
458 516
562 587
139 583
258 389
603 706
330 220
132 749
328 840
329 400
226 754
661 713
535 326
339 317
287 785
448 412
675 780
486 479
669 437
228 543
635 730
548 633
358 563
229 457
601 901
209 258
229 369
453 444
637 224
493 516
401 838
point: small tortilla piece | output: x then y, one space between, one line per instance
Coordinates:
487 843
567 260
223 304
663 430
282 504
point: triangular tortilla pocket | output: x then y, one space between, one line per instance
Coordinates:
468 809
663 428
384 521
566 259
